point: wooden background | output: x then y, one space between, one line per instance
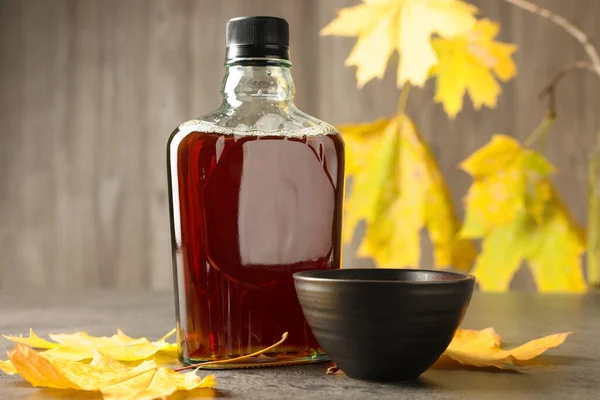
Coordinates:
91 89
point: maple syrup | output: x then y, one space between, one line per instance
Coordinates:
253 210
256 191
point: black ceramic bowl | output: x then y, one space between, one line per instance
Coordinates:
384 324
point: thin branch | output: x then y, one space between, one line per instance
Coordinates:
567 26
592 65
403 98
550 89
593 244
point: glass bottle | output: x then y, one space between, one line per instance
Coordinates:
255 192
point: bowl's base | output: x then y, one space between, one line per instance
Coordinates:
260 361
394 378
388 374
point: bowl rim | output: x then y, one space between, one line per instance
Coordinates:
460 276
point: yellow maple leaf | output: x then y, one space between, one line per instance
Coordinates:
119 347
555 252
514 208
7 367
33 341
398 190
84 340
385 26
64 374
156 384
81 346
472 62
482 349
113 379
507 180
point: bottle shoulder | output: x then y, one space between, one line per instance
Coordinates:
263 121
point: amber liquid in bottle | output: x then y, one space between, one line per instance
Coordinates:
255 194
249 211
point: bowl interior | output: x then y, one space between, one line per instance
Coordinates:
384 275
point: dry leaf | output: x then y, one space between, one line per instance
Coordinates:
515 210
113 379
482 349
63 374
61 366
7 367
32 341
385 26
470 63
395 178
81 346
156 383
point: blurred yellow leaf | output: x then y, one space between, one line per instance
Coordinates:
555 252
398 190
507 180
405 26
7 367
482 349
33 341
513 207
470 63
113 379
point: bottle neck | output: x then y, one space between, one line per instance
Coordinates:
264 81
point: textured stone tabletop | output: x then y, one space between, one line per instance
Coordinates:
571 371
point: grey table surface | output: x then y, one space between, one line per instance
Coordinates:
571 371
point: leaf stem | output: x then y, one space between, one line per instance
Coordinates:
403 98
232 360
168 335
542 129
